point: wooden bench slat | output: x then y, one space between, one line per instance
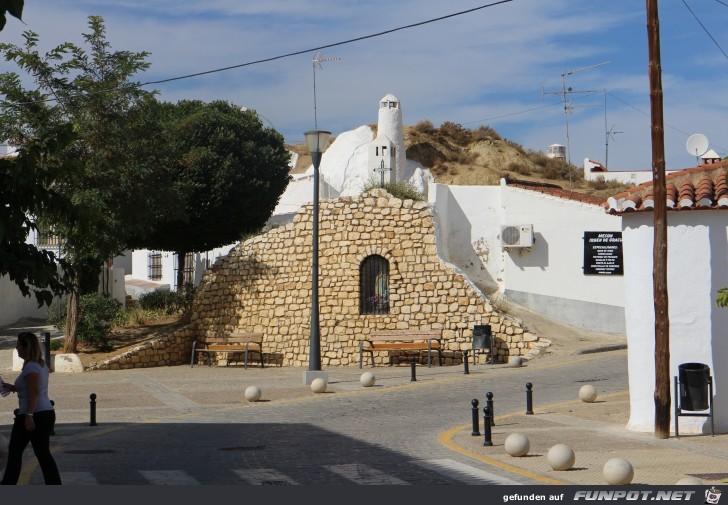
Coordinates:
405 346
401 340
234 343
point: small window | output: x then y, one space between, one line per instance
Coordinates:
189 270
154 266
374 285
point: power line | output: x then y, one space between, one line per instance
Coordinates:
705 29
295 53
721 2
666 124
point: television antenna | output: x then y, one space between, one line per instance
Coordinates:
697 145
568 107
610 133
318 59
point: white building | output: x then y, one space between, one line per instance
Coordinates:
697 266
544 271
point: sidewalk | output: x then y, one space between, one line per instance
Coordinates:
596 433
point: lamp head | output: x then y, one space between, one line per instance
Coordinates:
317 141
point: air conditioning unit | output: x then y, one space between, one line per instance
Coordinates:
517 235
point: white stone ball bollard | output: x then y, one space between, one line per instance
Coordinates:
515 361
517 444
587 393
689 481
318 385
618 471
253 393
561 457
367 379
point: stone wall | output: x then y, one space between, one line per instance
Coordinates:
264 285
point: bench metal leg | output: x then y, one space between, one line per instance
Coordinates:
246 355
429 354
192 359
361 354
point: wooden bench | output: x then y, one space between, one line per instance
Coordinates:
235 343
401 340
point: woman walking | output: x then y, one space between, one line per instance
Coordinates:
35 418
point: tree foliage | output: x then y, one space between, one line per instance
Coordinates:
12 7
231 171
115 186
722 299
25 194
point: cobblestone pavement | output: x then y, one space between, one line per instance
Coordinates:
192 425
183 425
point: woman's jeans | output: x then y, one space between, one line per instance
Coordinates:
40 440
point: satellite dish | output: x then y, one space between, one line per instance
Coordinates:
697 144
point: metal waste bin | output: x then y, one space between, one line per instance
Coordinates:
694 379
483 340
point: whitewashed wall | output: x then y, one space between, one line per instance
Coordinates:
697 266
626 176
14 306
548 277
140 263
468 224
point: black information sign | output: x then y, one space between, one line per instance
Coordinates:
603 253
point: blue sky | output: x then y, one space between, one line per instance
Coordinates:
489 67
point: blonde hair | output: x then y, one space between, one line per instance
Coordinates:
29 341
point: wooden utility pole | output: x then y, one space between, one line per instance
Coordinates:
659 250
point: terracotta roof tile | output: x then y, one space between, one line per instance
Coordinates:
555 190
702 187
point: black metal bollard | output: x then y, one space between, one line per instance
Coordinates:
53 420
476 421
489 403
529 398
414 371
487 418
93 410
465 363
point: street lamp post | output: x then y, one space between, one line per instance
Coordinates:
316 141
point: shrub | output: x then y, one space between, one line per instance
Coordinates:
425 126
518 168
485 133
403 190
169 302
455 132
97 313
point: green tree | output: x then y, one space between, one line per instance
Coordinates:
12 7
722 299
115 188
23 196
232 169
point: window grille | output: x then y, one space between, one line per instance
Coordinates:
45 238
189 271
154 266
374 285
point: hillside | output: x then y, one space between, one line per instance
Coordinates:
460 156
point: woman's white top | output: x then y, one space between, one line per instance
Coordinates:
21 386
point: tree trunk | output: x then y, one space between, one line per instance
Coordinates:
659 254
72 313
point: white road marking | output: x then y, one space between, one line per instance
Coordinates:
365 475
265 477
464 473
169 477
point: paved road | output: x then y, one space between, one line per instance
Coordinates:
189 426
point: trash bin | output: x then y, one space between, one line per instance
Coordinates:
483 341
694 378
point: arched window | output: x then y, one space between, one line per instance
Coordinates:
374 285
